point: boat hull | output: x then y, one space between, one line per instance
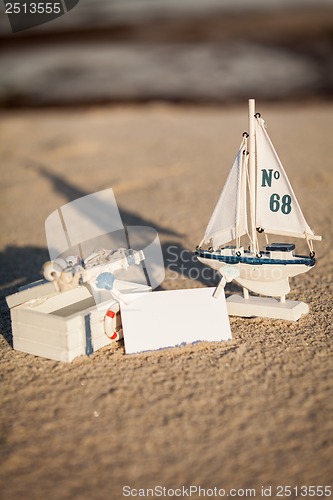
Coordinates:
265 276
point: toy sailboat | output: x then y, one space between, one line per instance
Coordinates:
258 198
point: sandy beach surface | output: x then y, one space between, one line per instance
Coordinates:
251 412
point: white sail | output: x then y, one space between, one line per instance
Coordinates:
277 209
229 220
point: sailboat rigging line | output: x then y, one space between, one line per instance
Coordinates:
244 168
254 243
310 245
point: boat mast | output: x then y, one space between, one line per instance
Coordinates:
252 177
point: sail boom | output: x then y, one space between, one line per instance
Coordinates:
293 235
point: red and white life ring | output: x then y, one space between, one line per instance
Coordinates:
110 324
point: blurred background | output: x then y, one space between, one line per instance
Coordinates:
195 51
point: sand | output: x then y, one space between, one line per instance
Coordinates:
253 411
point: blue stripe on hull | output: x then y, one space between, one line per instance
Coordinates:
234 259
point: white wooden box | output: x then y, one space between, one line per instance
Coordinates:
61 326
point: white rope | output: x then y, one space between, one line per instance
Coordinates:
244 168
309 242
254 244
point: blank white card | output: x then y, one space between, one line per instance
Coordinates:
174 317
